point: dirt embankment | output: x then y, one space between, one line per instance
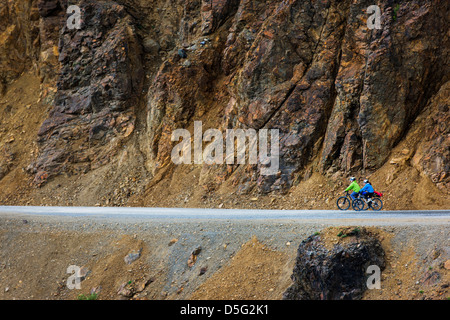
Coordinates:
199 260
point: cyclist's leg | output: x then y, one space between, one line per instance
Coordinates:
369 197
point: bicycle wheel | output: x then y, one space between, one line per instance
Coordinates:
358 205
377 204
343 203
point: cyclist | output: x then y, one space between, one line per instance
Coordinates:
353 187
367 191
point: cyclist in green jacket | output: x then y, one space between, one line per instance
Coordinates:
353 187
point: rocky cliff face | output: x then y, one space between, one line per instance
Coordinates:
342 96
336 90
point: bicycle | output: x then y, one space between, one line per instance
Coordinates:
343 202
374 203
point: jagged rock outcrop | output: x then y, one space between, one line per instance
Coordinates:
99 82
335 271
385 79
335 89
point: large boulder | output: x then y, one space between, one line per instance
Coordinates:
333 265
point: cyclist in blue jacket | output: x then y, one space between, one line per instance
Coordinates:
367 190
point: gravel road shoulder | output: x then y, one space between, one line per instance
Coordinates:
234 259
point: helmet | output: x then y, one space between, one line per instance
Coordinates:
366 181
352 179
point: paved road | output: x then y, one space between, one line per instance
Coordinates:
217 214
